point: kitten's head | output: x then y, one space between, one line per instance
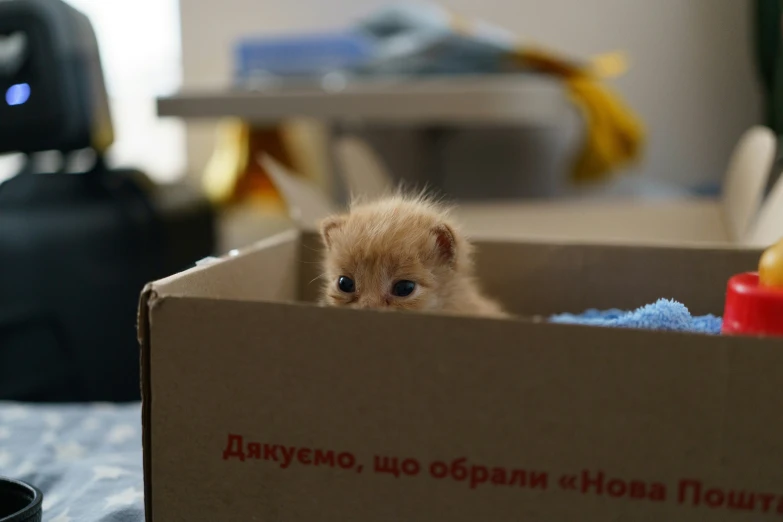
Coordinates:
398 253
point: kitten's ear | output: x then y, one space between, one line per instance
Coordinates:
446 243
328 226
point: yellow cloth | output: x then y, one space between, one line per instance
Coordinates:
614 135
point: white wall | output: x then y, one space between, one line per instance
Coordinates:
692 78
137 70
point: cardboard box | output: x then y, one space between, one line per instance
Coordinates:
259 405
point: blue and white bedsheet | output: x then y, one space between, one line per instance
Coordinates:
86 459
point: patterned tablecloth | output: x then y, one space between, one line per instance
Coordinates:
86 459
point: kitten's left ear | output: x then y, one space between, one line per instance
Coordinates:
328 226
446 243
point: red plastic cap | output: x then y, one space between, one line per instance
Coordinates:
752 309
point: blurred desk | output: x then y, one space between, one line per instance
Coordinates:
517 131
514 99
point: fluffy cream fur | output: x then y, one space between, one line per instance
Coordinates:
401 238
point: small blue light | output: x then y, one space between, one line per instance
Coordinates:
17 94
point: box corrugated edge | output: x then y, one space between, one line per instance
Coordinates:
149 297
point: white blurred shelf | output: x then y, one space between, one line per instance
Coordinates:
515 99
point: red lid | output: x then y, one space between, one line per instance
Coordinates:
751 308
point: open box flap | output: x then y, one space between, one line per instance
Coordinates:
307 202
736 218
261 271
768 227
674 222
744 182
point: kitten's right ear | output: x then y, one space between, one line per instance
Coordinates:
446 243
328 227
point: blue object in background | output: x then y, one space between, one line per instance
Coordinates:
664 314
710 190
301 55
402 39
17 94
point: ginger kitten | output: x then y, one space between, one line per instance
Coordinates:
401 253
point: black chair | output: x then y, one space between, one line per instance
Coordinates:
76 248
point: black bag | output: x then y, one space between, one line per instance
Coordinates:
76 249
75 253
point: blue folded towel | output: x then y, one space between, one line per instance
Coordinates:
664 314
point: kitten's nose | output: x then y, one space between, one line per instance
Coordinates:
370 303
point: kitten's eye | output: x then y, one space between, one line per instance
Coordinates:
403 288
346 284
